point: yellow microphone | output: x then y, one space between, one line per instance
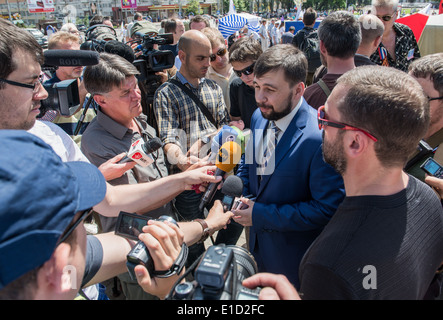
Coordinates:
228 157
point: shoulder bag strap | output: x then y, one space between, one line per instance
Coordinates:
199 103
324 87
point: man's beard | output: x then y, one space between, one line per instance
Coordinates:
277 115
333 153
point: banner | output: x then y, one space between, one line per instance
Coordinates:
41 6
129 4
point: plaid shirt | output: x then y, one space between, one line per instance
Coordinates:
175 111
406 49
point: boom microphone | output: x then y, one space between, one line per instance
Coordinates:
70 58
140 151
228 157
119 48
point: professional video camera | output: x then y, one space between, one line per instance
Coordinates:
218 276
152 60
63 96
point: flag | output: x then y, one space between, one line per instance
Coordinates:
440 9
426 10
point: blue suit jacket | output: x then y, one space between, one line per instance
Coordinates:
296 201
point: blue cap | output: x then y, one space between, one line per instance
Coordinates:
39 196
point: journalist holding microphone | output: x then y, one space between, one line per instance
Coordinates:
21 93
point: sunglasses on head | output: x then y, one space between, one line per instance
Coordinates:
432 99
219 53
246 71
324 122
386 17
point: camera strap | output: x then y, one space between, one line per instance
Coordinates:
177 266
199 103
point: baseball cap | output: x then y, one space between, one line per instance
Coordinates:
39 195
145 27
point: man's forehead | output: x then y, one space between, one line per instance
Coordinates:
26 66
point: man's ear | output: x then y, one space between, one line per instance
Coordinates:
356 144
181 56
100 99
53 277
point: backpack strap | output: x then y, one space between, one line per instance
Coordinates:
324 87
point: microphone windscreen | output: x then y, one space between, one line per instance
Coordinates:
153 145
121 49
228 156
71 58
232 186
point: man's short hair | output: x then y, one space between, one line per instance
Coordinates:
170 25
284 57
291 28
60 38
340 32
430 66
309 17
214 36
393 4
197 19
111 71
12 38
371 28
390 105
245 49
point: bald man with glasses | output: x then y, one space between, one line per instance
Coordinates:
398 47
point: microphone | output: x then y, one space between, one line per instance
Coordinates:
119 48
140 151
70 58
232 188
228 157
227 133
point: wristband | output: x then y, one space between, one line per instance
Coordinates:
206 230
176 267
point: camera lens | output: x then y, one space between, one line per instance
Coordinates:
246 265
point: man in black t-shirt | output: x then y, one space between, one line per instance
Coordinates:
242 56
386 239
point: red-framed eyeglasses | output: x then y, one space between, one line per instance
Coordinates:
324 122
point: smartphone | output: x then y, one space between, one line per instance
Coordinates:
130 225
432 167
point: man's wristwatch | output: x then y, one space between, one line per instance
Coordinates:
206 230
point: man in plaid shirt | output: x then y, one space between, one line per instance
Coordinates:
182 126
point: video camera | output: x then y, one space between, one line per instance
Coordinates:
152 60
63 97
218 276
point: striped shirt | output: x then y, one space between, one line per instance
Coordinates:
180 120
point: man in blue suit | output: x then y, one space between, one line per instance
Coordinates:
296 191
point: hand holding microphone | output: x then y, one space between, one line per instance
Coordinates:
140 151
227 158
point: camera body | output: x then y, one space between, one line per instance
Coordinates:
152 60
130 226
219 275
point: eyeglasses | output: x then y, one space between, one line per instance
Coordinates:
324 122
72 226
219 53
432 99
386 17
246 71
35 86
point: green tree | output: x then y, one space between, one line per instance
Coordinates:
193 7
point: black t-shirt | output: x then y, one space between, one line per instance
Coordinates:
377 247
243 102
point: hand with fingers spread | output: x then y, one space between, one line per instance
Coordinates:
164 241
